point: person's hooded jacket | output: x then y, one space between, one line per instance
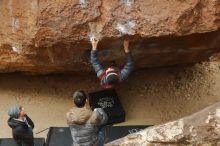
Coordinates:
22 131
85 125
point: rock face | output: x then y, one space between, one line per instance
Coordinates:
201 128
44 36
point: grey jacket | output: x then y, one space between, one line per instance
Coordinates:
125 71
85 124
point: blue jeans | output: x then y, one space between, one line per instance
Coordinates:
101 137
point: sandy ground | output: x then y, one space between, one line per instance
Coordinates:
150 96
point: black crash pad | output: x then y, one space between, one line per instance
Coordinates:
10 142
116 132
109 101
61 136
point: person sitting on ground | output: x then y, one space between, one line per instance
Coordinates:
22 126
86 126
110 76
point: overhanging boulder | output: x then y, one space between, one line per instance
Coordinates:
45 36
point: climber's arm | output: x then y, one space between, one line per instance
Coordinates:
126 70
94 60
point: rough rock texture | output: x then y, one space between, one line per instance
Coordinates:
45 36
201 128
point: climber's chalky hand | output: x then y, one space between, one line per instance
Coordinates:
94 42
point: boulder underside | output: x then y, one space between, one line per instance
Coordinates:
49 36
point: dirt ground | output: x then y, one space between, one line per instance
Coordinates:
149 96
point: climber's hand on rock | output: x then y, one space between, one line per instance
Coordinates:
126 45
94 42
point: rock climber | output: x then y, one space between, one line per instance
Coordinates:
112 75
